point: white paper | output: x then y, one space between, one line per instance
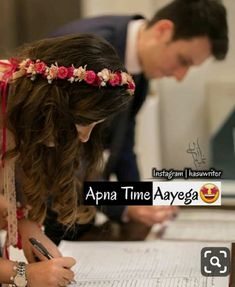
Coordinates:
202 231
206 214
140 264
199 225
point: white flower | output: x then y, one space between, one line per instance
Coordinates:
71 80
124 78
53 70
104 74
23 63
79 73
30 69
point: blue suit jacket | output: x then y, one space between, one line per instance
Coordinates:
121 134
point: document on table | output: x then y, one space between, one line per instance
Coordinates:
140 264
201 231
201 225
207 214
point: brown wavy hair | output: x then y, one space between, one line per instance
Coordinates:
39 113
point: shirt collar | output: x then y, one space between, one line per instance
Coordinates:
131 56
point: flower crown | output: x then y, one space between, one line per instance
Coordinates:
72 74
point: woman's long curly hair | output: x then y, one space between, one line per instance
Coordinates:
39 113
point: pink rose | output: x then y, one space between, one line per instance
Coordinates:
97 81
131 86
116 79
62 72
70 72
90 77
40 67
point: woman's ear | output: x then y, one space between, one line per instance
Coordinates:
163 30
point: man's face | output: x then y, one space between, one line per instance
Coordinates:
167 58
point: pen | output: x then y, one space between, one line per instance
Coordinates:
38 245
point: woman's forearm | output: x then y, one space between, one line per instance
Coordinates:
6 270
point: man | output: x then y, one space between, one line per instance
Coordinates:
182 34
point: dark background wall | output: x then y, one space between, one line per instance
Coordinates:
27 20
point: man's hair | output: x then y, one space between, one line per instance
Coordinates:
194 18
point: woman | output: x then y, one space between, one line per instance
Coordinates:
59 91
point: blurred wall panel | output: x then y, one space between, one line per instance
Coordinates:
8 37
125 7
27 20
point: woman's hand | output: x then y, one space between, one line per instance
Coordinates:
50 273
29 229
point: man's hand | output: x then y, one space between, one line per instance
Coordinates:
150 215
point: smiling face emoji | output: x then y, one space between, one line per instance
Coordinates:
209 193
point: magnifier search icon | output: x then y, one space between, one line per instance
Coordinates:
214 261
